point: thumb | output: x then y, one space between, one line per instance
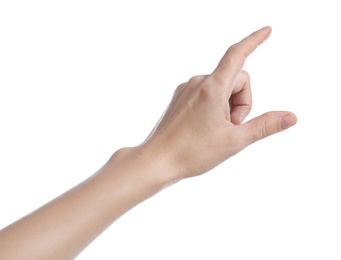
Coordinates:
265 125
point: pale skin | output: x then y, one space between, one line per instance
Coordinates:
201 128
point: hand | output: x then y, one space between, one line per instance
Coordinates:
202 126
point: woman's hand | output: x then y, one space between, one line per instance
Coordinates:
200 129
202 126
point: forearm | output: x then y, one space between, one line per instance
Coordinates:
62 228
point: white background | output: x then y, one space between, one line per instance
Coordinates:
80 79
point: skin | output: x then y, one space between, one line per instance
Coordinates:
201 128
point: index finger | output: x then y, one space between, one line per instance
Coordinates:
233 60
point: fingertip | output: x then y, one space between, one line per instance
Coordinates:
288 120
267 124
267 31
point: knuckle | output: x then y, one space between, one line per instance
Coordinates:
219 80
178 91
266 127
208 91
195 80
245 75
264 130
233 48
236 52
180 87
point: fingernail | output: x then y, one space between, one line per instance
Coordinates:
267 28
288 120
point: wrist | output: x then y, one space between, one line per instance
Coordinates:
154 162
156 168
